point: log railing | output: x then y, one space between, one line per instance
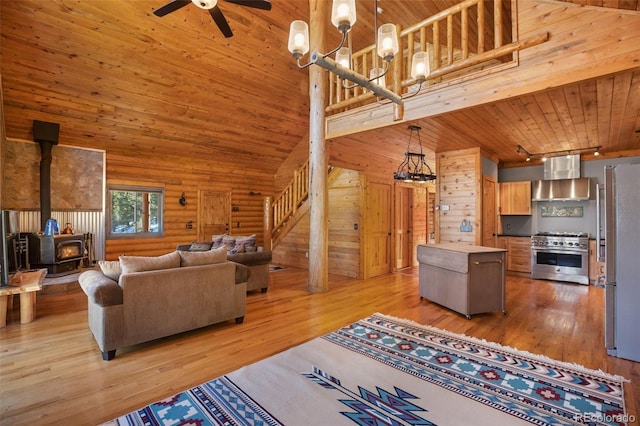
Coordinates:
289 200
469 35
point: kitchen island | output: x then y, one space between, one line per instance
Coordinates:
465 278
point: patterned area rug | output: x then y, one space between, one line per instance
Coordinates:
387 371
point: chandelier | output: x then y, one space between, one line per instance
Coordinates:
414 168
343 17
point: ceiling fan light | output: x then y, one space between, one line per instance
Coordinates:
343 57
343 14
298 39
387 41
205 4
420 67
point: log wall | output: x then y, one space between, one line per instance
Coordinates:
247 188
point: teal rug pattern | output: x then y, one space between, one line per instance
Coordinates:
383 370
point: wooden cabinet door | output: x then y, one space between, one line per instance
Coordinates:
377 247
214 212
519 254
515 198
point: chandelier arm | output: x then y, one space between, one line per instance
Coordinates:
344 38
331 65
307 65
411 95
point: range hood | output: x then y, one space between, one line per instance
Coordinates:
562 181
576 189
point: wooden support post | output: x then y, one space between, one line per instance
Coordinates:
318 164
268 224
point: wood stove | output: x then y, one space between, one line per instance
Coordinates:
57 253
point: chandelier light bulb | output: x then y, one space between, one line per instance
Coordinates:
343 14
343 57
420 67
387 42
298 39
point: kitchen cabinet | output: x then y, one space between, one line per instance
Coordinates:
518 253
515 198
465 278
596 269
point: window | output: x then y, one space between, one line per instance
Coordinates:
135 212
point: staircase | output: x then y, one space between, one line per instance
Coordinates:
290 205
286 205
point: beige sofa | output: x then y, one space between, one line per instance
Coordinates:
138 299
243 250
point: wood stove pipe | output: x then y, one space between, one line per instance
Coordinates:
46 134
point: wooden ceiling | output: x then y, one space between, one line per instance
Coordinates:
117 77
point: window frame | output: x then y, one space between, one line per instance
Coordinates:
140 189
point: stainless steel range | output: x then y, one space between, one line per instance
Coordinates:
560 256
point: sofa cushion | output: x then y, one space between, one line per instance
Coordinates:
149 263
195 258
110 268
200 246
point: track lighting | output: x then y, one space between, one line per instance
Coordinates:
544 155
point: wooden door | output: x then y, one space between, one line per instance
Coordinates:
404 225
214 213
377 247
489 213
431 217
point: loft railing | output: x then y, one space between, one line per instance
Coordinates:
468 36
286 203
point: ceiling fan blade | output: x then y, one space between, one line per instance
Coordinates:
220 20
171 7
257 4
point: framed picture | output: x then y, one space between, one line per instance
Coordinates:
555 211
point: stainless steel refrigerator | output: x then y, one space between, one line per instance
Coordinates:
621 226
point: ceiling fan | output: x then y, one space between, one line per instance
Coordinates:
214 10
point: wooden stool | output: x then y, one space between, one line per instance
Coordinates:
25 284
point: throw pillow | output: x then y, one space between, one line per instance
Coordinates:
216 241
200 246
249 241
229 242
195 258
110 269
238 248
149 263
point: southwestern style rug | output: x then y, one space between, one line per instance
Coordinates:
388 371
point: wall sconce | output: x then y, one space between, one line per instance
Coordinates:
183 200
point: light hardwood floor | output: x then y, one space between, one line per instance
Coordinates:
51 371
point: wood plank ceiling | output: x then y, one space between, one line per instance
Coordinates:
117 77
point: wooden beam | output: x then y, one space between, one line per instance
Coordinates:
318 163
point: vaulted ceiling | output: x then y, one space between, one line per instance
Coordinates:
115 76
